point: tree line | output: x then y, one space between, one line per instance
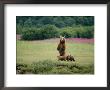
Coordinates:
44 27
58 21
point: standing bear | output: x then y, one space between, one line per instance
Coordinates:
61 46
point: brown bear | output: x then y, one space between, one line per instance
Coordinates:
68 58
61 46
62 58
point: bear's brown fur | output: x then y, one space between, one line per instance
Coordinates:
64 58
61 46
70 58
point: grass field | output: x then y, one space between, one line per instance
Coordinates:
40 57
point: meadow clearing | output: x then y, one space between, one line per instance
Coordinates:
40 57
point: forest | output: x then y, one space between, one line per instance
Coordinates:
44 27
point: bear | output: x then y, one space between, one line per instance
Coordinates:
62 58
66 58
61 46
70 58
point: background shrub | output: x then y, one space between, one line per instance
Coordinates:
45 32
78 32
51 31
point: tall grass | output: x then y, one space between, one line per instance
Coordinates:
55 67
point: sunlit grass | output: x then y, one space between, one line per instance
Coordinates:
29 52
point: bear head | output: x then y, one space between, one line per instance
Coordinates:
62 39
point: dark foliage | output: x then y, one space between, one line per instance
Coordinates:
58 21
45 27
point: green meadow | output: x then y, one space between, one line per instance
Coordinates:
40 57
